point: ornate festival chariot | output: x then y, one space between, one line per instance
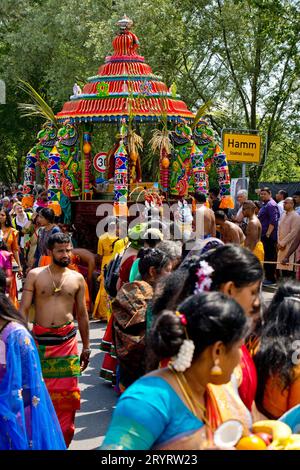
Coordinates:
125 94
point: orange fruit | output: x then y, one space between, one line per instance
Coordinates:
165 163
87 148
251 442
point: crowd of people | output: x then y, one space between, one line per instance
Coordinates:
188 344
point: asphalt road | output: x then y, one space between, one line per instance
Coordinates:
97 397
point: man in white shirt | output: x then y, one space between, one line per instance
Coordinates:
280 197
242 196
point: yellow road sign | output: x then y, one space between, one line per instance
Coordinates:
242 147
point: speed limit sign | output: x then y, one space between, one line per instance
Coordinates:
99 162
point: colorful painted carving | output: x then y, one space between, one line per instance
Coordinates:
121 176
68 147
187 168
53 175
38 155
203 136
102 89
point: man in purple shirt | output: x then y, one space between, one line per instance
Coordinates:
269 217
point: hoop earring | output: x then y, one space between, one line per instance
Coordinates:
216 369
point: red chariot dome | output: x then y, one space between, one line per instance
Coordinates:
124 82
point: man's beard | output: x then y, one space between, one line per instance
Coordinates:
62 264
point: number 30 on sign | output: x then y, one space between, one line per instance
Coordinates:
99 162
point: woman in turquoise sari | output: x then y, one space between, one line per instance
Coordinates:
172 408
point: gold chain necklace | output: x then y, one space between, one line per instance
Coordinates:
57 289
188 395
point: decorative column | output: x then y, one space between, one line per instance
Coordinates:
86 170
53 175
29 177
121 180
164 164
199 174
220 162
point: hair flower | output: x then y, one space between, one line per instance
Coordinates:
182 318
204 280
184 358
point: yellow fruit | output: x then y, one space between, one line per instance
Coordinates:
293 443
251 442
280 431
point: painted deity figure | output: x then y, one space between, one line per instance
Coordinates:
76 90
205 140
68 148
187 168
38 155
194 152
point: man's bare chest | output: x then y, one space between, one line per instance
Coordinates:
64 289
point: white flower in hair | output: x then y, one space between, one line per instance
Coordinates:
206 268
184 358
204 280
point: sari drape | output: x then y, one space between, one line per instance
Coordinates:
150 415
248 386
27 417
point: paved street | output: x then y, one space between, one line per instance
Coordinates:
97 397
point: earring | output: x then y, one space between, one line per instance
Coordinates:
216 369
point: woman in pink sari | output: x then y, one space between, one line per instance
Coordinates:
6 266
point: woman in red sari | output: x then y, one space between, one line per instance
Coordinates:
237 273
276 358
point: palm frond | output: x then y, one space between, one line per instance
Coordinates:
39 107
201 112
220 111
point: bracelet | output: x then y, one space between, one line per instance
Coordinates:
88 350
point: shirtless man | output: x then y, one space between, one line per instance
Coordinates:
55 290
253 230
230 232
204 218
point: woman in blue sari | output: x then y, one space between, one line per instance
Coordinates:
27 418
173 408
